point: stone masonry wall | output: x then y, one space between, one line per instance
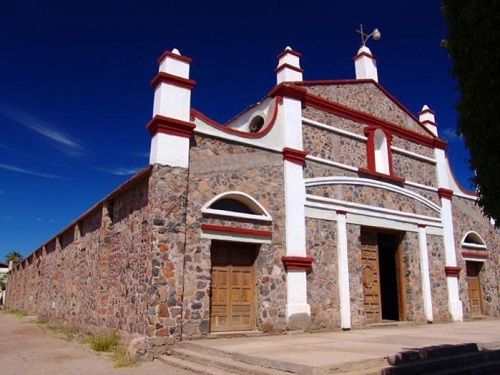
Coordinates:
322 282
467 216
95 274
217 167
439 289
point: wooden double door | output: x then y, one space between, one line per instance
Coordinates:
474 286
382 276
232 303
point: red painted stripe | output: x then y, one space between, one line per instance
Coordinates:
297 263
266 128
168 125
474 255
445 193
452 271
283 66
174 80
294 156
230 229
361 54
382 176
286 51
173 56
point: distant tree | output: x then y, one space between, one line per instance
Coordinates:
473 42
13 256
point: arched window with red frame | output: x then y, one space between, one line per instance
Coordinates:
378 150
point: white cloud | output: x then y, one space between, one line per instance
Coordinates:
13 168
118 171
451 135
66 143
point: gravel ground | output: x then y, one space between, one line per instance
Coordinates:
26 348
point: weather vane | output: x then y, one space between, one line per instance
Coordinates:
375 34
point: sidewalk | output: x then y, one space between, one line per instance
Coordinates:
348 350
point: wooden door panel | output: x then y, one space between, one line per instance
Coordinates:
233 288
474 286
371 276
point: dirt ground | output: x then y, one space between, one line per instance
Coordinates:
25 348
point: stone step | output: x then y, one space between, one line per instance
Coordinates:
488 368
440 365
193 367
222 361
431 352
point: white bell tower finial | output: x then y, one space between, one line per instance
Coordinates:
364 62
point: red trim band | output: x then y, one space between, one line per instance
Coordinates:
294 156
382 176
341 212
237 230
474 255
445 193
289 91
173 56
361 54
168 125
452 271
427 110
421 225
297 263
290 51
266 128
173 80
349 113
427 122
283 66
361 81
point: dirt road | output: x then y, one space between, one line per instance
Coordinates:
25 348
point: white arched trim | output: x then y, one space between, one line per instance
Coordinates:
346 180
259 212
476 243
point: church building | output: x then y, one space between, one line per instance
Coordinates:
325 205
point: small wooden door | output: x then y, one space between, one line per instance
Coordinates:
233 287
474 285
371 276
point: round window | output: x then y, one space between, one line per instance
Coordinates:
256 124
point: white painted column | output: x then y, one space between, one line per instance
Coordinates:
454 303
170 128
343 271
365 64
290 120
424 270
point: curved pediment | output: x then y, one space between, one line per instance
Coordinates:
370 192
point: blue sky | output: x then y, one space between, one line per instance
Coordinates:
75 90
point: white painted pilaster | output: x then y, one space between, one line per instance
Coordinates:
172 100
365 64
454 303
424 270
296 283
343 271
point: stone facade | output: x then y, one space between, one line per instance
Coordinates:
141 260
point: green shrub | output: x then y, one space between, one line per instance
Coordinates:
104 343
18 313
121 358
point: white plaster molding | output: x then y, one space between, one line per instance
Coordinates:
296 283
331 204
343 272
346 180
332 163
413 154
234 237
242 197
334 129
294 210
424 269
421 186
474 259
473 244
274 140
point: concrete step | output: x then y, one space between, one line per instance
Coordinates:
432 352
441 365
193 367
222 361
489 368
